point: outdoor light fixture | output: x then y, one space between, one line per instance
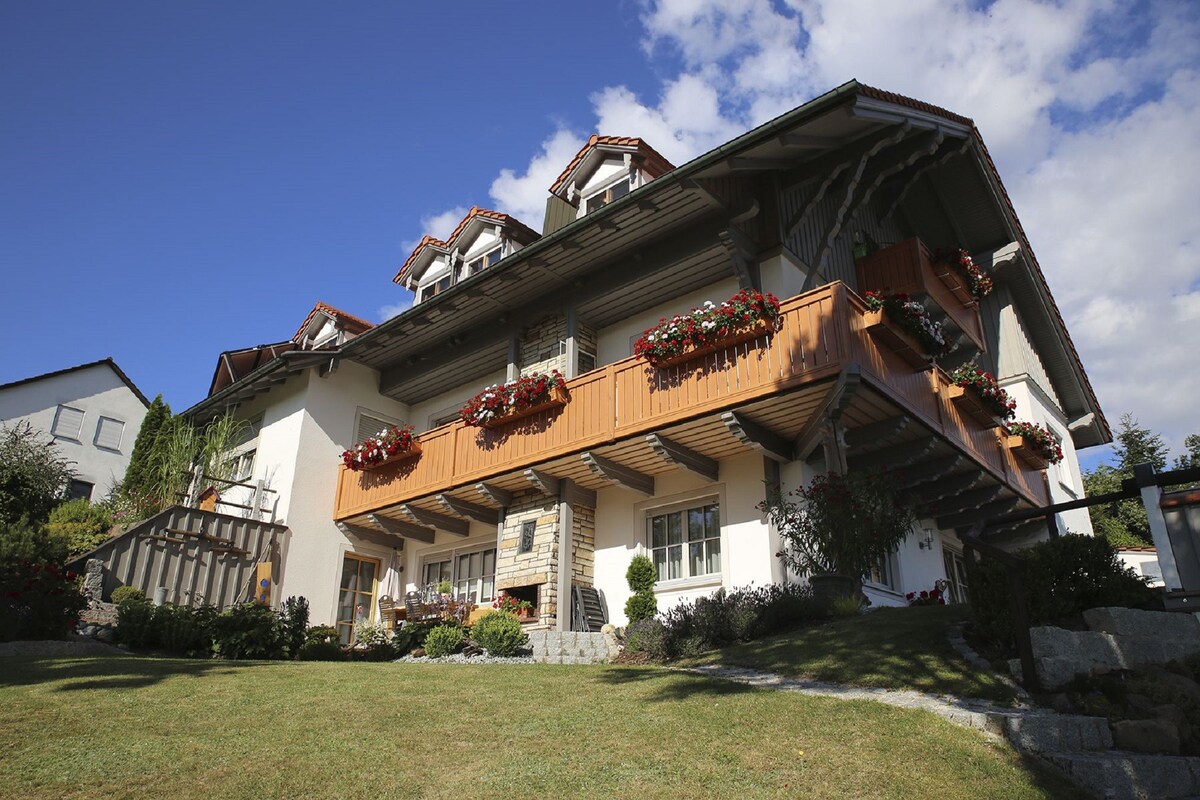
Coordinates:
927 542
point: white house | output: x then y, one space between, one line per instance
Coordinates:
853 191
92 412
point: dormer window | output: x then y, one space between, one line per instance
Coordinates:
607 195
436 288
486 260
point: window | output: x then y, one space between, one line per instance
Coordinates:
240 465
883 573
476 576
603 198
108 433
370 424
435 288
528 529
686 543
486 260
68 422
356 597
587 361
79 490
445 418
956 576
472 573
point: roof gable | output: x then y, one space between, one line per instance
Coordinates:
106 362
597 148
466 232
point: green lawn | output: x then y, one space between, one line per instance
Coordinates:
894 648
141 727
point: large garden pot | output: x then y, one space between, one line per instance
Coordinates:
827 587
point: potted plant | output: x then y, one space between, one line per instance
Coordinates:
978 395
747 315
393 443
955 266
838 527
445 589
527 395
522 609
905 327
1033 444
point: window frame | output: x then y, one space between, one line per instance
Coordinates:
54 431
361 412
891 566
686 576
74 483
482 260
244 456
452 556
625 176
120 436
959 589
373 594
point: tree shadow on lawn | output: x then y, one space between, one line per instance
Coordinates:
672 685
109 672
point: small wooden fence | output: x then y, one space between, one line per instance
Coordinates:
197 557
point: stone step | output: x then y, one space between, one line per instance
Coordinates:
1048 732
1131 776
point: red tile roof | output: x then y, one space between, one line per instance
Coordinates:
351 324
653 160
517 230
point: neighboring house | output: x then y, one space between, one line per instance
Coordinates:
672 463
92 412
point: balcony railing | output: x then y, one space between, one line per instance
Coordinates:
821 332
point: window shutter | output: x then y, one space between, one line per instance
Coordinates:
68 422
369 426
108 433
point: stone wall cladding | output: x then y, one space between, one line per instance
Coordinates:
539 567
573 647
541 346
583 546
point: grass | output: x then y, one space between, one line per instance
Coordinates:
893 648
148 728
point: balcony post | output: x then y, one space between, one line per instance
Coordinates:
572 343
566 526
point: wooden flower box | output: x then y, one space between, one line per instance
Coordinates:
972 405
412 452
1023 449
558 397
759 329
891 337
953 280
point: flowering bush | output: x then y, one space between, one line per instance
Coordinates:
1045 443
926 597
38 600
506 602
705 325
379 448
525 392
912 317
984 385
978 283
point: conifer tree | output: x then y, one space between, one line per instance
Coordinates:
139 478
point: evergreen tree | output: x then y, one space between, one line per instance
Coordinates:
139 478
1124 523
1138 445
1192 457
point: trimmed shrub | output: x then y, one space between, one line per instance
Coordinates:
647 636
320 650
184 631
499 633
294 617
641 577
83 525
443 640
249 631
1063 577
135 622
123 593
373 642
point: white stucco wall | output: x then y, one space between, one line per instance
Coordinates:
615 342
747 544
1143 561
98 392
781 275
423 413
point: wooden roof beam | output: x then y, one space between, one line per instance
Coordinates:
899 455
371 535
468 510
947 487
982 514
862 438
963 501
757 437
619 473
400 528
674 453
441 522
543 482
494 494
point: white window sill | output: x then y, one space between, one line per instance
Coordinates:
678 584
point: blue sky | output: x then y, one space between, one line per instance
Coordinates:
181 179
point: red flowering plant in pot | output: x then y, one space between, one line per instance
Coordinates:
38 600
926 597
389 443
983 385
1044 444
747 312
506 602
527 393
912 317
978 282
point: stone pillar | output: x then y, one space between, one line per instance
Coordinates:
93 580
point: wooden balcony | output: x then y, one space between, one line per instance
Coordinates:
908 267
776 381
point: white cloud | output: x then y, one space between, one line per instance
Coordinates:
440 225
524 196
395 309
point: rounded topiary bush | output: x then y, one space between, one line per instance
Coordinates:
499 633
443 640
320 650
641 577
123 593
